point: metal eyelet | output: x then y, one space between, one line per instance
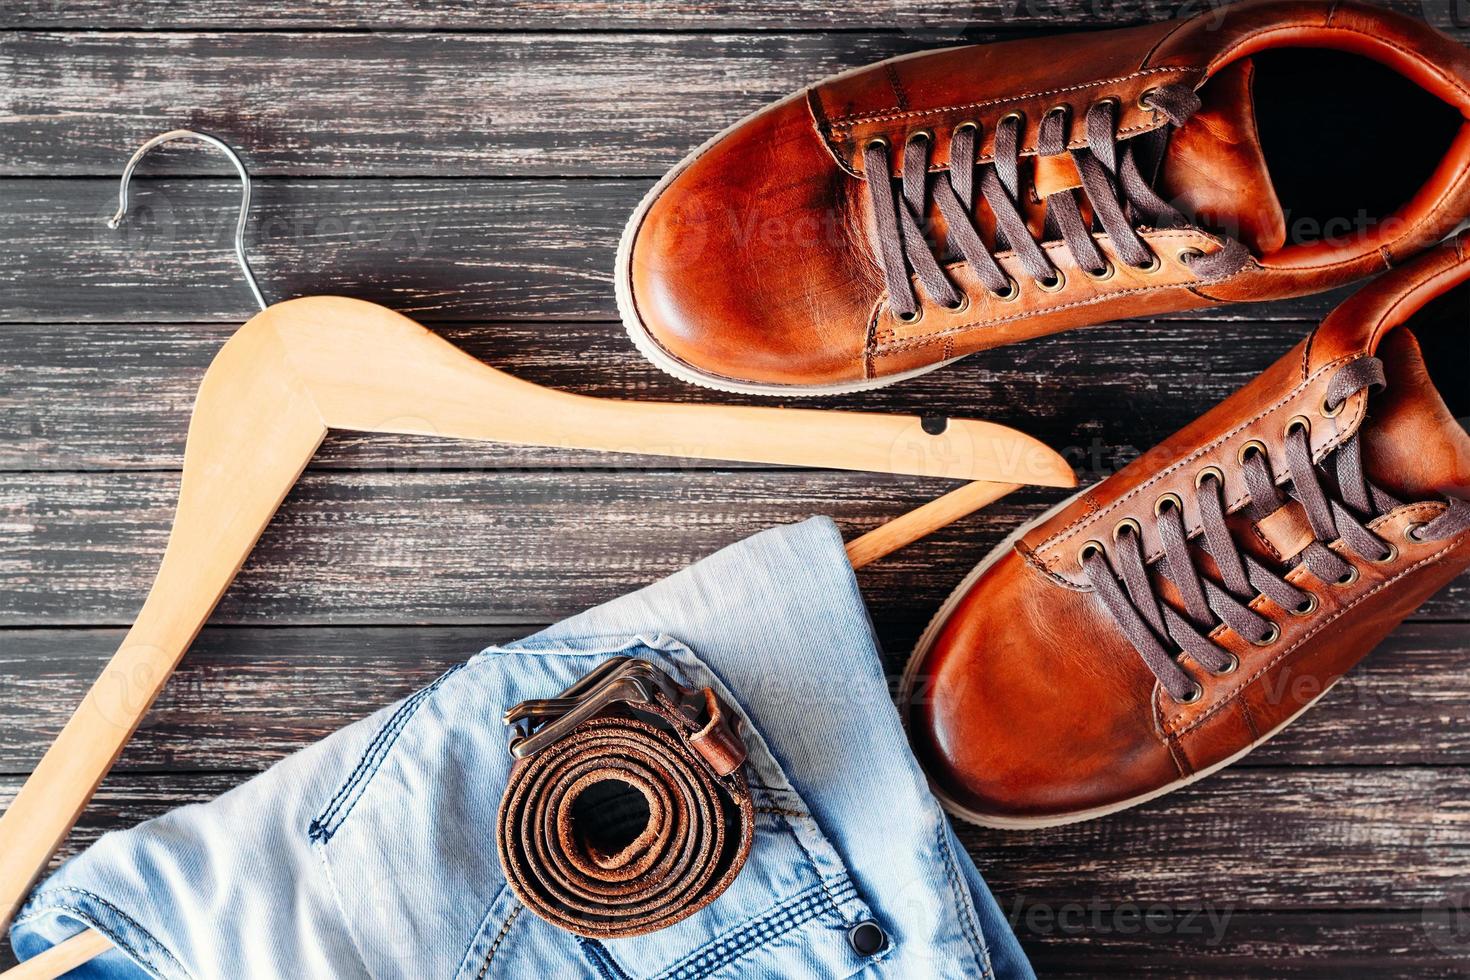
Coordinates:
1127 522
1020 119
1255 444
1413 533
1109 100
1088 549
927 135
1388 559
1154 265
1058 110
1011 294
1349 579
913 317
1307 608
1194 695
1143 100
1215 471
1231 666
1328 412
1188 255
1272 635
1055 284
968 124
1102 275
960 307
1298 422
880 142
1168 498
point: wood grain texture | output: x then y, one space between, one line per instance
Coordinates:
247 696
117 396
437 250
936 21
453 547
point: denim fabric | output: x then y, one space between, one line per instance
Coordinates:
372 853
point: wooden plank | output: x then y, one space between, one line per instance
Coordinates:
1356 837
440 250
1247 838
245 697
465 547
938 21
582 103
117 396
1137 939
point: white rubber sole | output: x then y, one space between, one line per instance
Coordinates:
926 643
667 362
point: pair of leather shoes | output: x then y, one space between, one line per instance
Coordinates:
1167 620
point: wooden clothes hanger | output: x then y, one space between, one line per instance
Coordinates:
303 367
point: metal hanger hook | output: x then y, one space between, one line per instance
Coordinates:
180 134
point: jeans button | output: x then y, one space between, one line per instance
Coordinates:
866 938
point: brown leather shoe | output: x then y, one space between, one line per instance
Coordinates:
1168 620
1265 150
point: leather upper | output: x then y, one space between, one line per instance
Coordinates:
753 262
1032 702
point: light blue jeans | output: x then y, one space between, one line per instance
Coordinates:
372 853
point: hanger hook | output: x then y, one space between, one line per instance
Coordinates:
179 134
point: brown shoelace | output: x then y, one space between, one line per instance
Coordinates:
1123 202
628 808
1130 590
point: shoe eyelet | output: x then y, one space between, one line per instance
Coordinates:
1349 579
1154 265
1058 110
1388 559
1245 450
1011 294
1298 422
969 125
1088 549
960 307
1194 695
1166 499
1187 256
1231 666
913 317
1307 608
1328 412
1020 119
1413 533
1130 523
1109 100
1052 285
927 135
877 142
1215 471
1272 635
1102 275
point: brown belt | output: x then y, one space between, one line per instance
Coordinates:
627 808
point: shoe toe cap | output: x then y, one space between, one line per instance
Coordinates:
744 265
1029 710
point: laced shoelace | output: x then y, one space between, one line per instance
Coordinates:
1123 202
1131 592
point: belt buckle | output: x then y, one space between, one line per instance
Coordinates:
537 724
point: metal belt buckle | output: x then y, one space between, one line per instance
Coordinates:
539 723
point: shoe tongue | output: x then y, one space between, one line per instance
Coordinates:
1214 171
1413 446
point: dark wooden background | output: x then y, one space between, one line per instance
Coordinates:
471 163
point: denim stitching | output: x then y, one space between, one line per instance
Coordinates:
499 938
602 960
807 851
328 821
87 916
732 947
966 907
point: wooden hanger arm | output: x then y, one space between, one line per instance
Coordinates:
374 370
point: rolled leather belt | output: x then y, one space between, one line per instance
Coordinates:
627 809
